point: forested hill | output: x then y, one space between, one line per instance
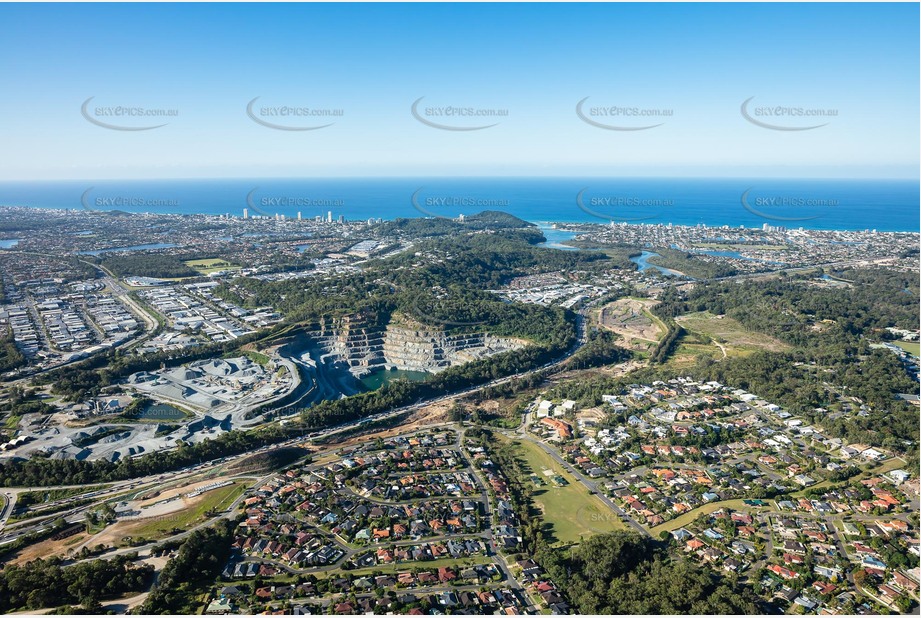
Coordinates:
439 226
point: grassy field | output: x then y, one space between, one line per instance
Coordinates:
215 500
212 265
686 354
12 422
257 357
735 338
912 347
705 509
891 464
802 492
572 512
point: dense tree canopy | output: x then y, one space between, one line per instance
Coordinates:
624 573
198 562
46 583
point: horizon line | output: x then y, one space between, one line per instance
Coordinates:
464 177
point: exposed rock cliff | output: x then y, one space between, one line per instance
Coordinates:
365 343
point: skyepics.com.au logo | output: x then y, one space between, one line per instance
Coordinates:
456 118
121 202
271 205
441 206
621 208
595 519
786 208
621 117
125 117
786 117
292 117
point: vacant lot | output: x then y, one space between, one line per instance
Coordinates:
570 510
730 336
191 512
630 318
47 548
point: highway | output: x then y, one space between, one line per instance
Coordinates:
76 514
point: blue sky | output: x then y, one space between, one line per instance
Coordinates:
537 61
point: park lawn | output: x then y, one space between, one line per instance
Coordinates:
425 564
912 347
214 500
572 511
12 422
211 265
736 504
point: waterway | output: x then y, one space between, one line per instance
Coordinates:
380 377
555 238
642 262
159 245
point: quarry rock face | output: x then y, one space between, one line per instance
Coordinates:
365 343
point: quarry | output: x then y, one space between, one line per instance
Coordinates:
334 355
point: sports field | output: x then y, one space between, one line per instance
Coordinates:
570 509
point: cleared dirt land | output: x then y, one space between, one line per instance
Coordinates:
630 318
48 548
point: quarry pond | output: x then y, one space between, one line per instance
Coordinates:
160 412
380 377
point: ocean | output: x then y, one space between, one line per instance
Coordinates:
882 205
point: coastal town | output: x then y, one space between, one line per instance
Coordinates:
445 502
460 309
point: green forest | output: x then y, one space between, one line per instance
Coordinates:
196 565
46 583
